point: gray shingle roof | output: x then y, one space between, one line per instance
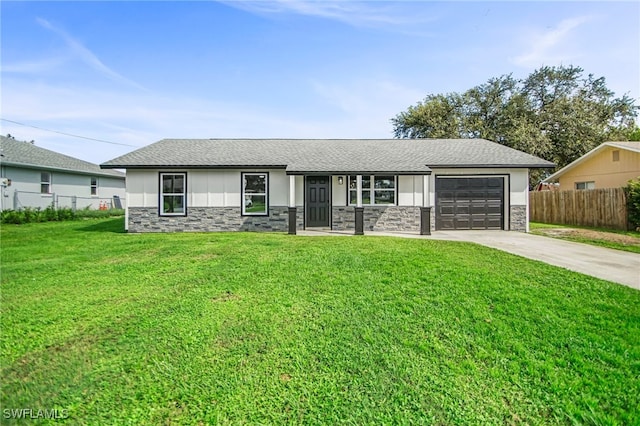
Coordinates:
327 155
25 154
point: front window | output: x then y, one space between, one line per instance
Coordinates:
94 186
45 183
381 192
173 188
255 194
585 185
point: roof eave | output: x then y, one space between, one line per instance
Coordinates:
190 166
62 169
357 172
493 166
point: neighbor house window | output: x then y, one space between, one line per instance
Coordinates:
173 194
45 183
255 194
376 190
615 155
94 186
585 185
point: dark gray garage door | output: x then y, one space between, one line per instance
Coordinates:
470 203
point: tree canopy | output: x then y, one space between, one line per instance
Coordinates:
556 113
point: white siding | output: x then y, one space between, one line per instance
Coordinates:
299 191
63 186
142 188
410 190
339 192
209 188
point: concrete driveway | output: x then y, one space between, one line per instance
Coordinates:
612 265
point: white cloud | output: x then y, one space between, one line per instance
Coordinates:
360 109
33 67
548 47
387 15
87 56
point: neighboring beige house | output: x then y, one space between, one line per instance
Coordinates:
610 165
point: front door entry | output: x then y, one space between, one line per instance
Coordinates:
317 201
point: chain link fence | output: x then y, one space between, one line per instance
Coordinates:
21 199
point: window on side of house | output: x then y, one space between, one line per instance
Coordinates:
173 194
255 194
45 183
615 155
94 186
585 185
376 190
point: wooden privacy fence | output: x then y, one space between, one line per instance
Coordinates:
605 208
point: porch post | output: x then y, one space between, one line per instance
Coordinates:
292 205
359 208
425 210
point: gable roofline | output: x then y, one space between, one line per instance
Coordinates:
628 146
20 154
305 156
104 173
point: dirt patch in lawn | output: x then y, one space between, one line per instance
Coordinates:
589 234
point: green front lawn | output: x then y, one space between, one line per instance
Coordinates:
232 328
609 238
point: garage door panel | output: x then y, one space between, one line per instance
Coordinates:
462 222
478 209
470 203
495 182
494 210
462 209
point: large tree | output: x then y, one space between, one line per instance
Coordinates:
556 113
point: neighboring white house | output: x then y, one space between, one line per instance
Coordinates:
35 177
409 185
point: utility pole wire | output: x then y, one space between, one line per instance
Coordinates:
66 134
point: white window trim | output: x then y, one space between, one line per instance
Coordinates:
372 189
48 183
266 194
92 186
162 194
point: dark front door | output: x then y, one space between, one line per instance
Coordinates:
317 200
470 203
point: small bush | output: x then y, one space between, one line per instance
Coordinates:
632 191
12 216
50 214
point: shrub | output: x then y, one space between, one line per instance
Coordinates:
632 191
49 215
12 216
29 215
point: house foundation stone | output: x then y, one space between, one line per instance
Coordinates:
518 218
208 219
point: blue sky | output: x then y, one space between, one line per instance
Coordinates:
136 72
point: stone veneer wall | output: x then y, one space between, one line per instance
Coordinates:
378 218
518 218
207 219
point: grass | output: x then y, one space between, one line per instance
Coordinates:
236 328
603 237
